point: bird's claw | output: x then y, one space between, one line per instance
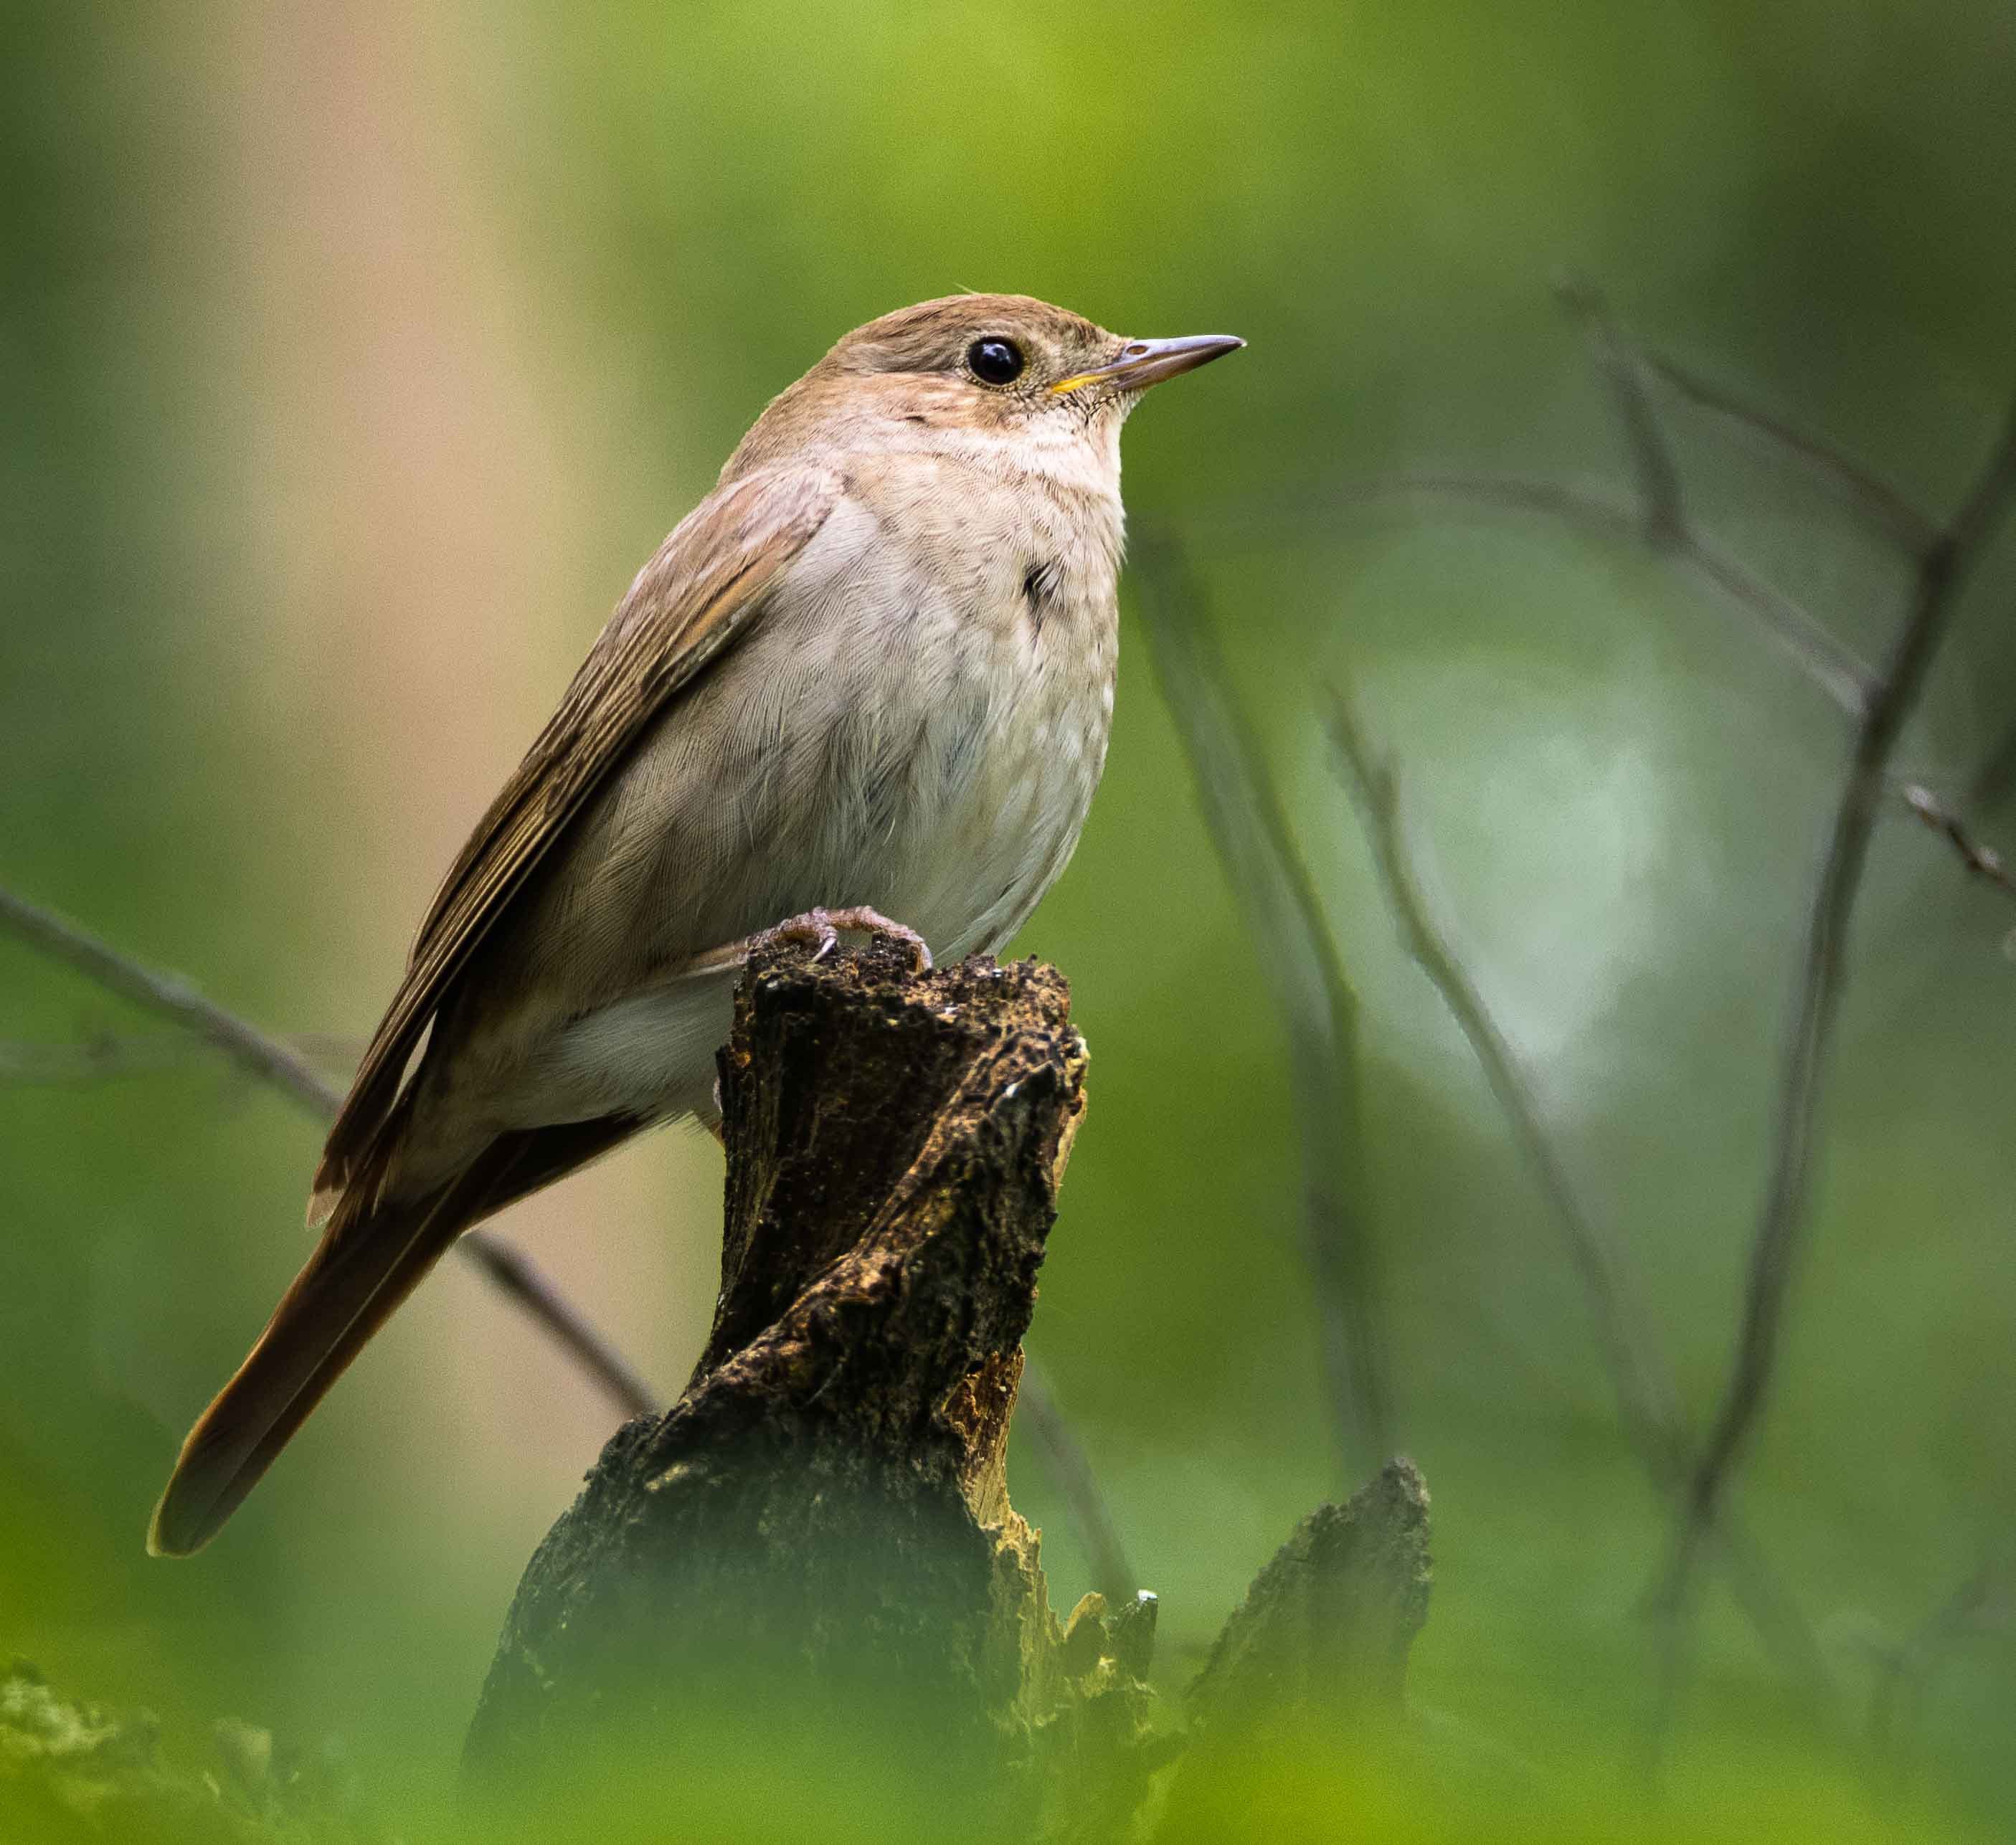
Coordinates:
814 926
821 928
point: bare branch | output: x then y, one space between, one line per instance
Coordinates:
1983 861
167 996
1658 521
280 1066
1666 527
1979 1604
1661 506
106 1056
1626 368
1943 573
1879 703
1860 488
1256 845
1070 1469
102 1057
523 1281
1648 1400
1829 664
1826 662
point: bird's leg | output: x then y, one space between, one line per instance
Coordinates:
821 928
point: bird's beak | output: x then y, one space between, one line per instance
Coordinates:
1144 362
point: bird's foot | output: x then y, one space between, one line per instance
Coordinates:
821 928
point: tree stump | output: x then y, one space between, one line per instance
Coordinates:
1325 1630
817 1538
1312 1665
800 1603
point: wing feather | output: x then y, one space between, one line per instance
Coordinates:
701 590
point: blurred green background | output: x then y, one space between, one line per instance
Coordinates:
352 357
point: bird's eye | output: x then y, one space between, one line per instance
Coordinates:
995 362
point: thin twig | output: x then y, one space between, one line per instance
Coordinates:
1256 844
1070 1469
1983 861
522 1280
1662 510
1880 704
1828 664
280 1066
102 1057
1824 661
1647 1400
1906 1670
1666 527
1943 573
1662 515
270 1059
1942 561
1862 489
1658 520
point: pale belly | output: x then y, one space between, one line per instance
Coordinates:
966 865
942 781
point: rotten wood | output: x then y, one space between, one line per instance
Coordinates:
805 1587
820 1529
1325 1630
1309 1674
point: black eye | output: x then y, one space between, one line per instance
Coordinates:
995 362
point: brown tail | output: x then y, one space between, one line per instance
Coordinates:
363 1268
368 1260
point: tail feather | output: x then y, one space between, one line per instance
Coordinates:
374 1252
360 1273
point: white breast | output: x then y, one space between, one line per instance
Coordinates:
907 727
974 623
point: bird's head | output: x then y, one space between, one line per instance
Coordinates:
977 366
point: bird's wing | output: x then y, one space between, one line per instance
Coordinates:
701 590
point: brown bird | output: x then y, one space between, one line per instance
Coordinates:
868 677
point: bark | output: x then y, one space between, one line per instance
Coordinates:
1325 1630
805 1586
1307 1683
817 1537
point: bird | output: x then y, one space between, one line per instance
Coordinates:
866 685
